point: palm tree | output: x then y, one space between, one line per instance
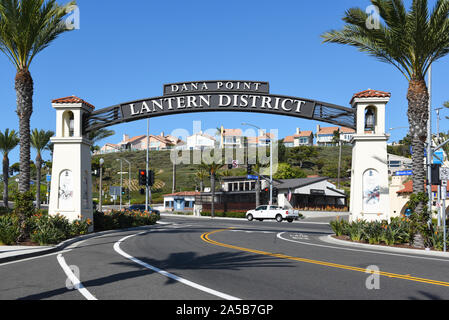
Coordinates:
212 169
97 135
8 141
26 28
39 141
410 41
200 175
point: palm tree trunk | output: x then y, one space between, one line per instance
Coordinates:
5 180
24 92
38 182
418 115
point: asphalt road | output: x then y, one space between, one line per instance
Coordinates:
187 259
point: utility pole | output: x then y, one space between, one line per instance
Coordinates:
100 208
429 147
147 161
121 183
129 182
439 189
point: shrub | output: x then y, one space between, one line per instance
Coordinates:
372 232
123 220
47 230
356 230
340 227
9 229
4 211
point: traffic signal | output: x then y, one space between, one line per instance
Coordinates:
275 192
151 178
142 177
249 169
436 174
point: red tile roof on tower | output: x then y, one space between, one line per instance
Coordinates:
371 94
72 99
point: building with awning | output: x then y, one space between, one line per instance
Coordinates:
313 193
310 194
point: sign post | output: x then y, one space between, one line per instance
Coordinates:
444 176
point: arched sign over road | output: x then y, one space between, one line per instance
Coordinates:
220 96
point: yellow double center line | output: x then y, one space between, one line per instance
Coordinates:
206 238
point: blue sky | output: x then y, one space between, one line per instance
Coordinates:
127 50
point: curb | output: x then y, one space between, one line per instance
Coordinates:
331 239
63 245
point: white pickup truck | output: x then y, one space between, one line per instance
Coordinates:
272 213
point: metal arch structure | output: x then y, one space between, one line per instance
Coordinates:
219 96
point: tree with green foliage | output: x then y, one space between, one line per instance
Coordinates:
286 171
411 41
39 141
298 155
27 27
97 135
213 170
8 141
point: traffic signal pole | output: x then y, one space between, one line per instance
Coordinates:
147 161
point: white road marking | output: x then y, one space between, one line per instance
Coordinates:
359 250
167 274
75 281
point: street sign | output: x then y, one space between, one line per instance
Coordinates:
115 191
444 174
404 173
438 157
48 178
251 177
235 164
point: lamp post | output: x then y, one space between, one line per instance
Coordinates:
129 182
271 160
121 183
101 185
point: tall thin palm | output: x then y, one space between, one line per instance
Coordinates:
97 135
410 41
26 28
200 175
39 141
212 169
8 141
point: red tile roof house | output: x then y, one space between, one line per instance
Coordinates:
180 201
325 136
301 138
232 138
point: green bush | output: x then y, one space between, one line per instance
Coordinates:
356 230
340 227
398 231
123 220
9 229
4 211
222 214
47 230
373 232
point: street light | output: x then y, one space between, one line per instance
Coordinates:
271 160
129 182
121 182
101 182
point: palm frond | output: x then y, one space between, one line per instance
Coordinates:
29 26
410 41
